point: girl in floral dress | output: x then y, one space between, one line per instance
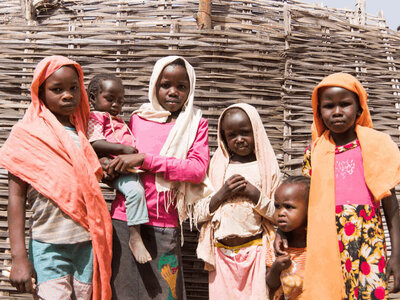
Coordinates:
353 169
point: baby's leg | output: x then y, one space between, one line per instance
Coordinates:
136 212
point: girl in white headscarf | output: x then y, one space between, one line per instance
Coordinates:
172 140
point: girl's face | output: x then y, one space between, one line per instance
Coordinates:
339 109
172 89
238 134
61 93
111 97
290 207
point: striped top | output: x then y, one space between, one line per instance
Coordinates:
48 222
292 277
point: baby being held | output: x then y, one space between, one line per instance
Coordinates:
110 136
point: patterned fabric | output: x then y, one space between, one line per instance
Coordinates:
307 170
349 146
361 241
362 251
159 279
292 277
103 126
65 288
95 131
50 224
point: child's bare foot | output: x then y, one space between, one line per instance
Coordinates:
138 249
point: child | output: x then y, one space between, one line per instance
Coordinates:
291 201
110 136
172 139
52 166
354 169
237 217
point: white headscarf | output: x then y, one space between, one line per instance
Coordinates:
179 141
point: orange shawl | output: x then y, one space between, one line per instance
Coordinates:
41 152
323 275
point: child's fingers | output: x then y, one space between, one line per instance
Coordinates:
396 284
28 286
237 186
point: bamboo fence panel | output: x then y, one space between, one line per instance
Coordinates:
267 53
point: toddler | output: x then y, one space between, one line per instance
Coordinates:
110 136
291 201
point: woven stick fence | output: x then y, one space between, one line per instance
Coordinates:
267 53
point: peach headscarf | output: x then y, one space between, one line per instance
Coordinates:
41 152
269 173
323 275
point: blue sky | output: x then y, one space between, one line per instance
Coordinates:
390 8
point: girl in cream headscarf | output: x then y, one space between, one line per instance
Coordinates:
172 140
237 218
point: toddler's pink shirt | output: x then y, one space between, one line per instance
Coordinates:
150 138
103 126
350 186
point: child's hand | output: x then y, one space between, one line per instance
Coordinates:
251 192
125 149
104 161
281 263
393 267
280 243
21 275
233 185
123 162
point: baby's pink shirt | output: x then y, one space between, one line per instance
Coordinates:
150 138
350 186
103 126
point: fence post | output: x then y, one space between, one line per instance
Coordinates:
203 16
287 129
27 9
360 11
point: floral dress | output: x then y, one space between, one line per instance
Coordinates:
360 232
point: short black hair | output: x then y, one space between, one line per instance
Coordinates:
299 179
95 85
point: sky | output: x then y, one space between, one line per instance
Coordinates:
390 8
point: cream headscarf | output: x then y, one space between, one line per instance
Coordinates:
269 173
179 141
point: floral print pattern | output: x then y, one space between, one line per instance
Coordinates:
362 251
361 243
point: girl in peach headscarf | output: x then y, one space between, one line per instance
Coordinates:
52 166
354 169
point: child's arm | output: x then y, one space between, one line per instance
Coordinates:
272 278
104 148
193 168
21 268
234 184
391 210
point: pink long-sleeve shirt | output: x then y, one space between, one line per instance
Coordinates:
150 138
